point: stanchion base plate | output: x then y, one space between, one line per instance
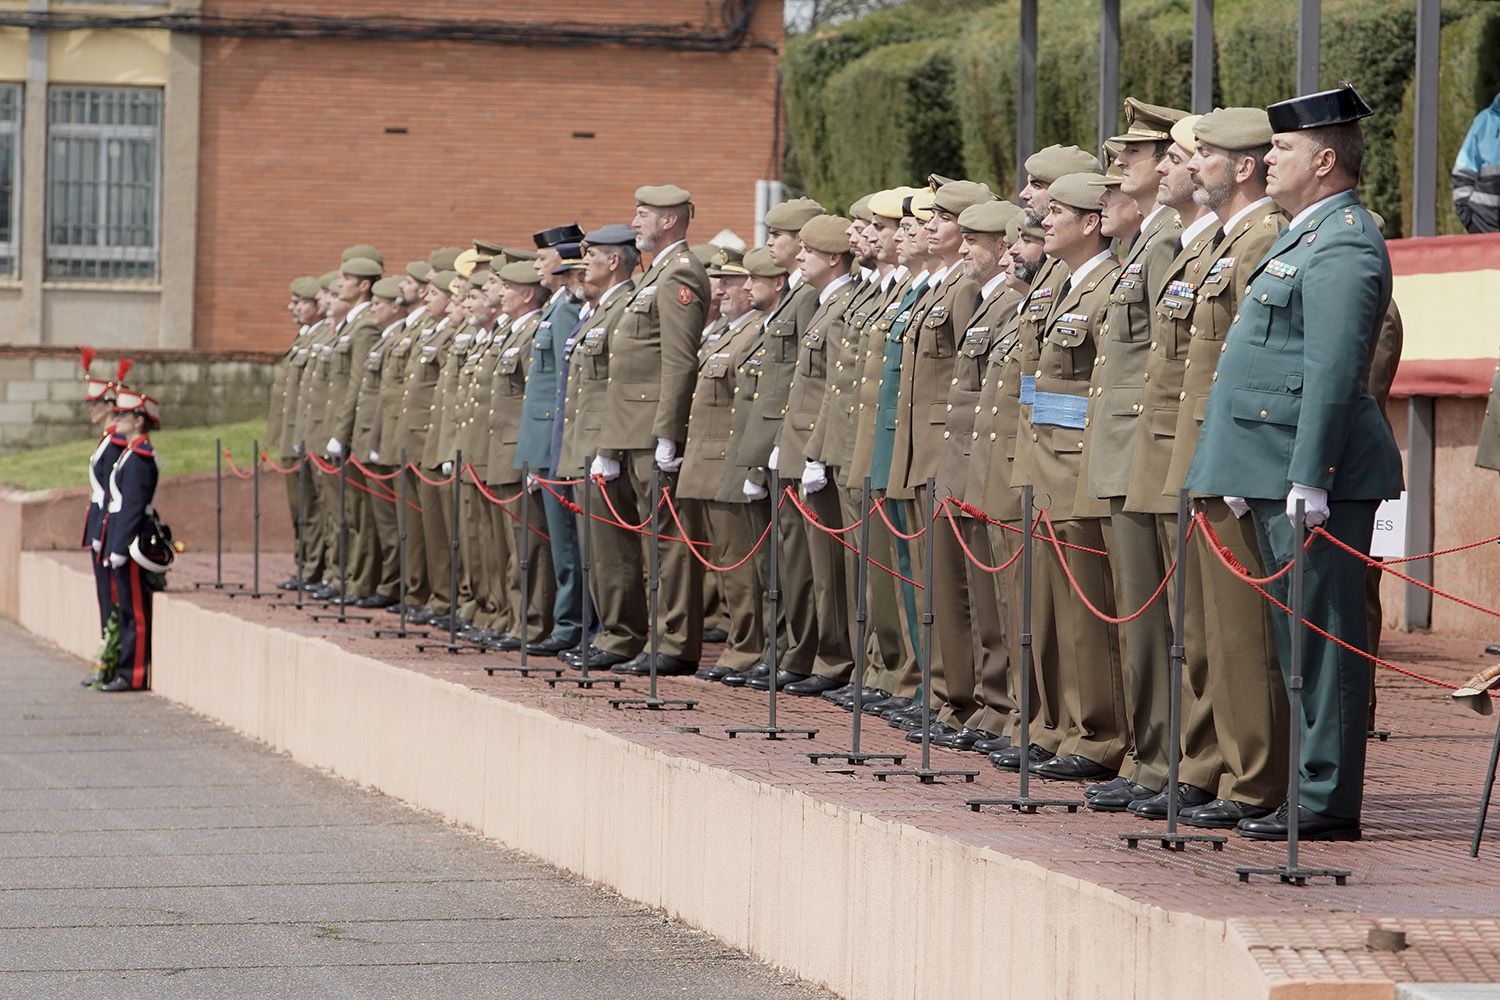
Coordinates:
584 682
1024 804
217 585
341 617
401 633
1370 734
770 732
1296 876
855 757
289 604
927 775
1175 841
654 704
252 594
526 671
450 647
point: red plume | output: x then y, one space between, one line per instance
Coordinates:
86 355
125 365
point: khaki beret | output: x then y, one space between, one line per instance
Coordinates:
443 279
1147 122
988 217
826 234
1076 190
1030 228
442 258
1234 128
465 262
1113 177
326 281
363 250
387 288
955 196
1047 165
727 263
919 205
860 210
520 272
705 252
889 203
419 270
1183 132
361 267
662 196
791 216
1013 228
305 287
758 263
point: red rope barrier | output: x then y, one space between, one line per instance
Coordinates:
327 468
1073 582
487 494
1444 552
234 470
439 483
1232 563
672 509
287 470
377 476
880 509
975 512
790 493
1402 576
958 534
619 521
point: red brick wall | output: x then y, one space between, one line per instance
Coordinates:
296 164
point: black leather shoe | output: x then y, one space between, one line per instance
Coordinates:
713 673
814 685
1222 814
422 616
838 694
866 697
886 705
911 719
666 666
1112 785
1310 825
715 635
551 646
992 745
322 592
601 659
1188 797
1118 799
396 609
740 678
289 584
1073 767
375 601
965 739
783 678
1009 759
937 731
505 643
121 684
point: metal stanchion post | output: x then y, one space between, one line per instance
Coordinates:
217 583
523 560
585 607
861 621
653 588
771 730
254 592
453 645
1292 872
401 631
1023 802
925 773
301 531
1171 840
1484 799
343 599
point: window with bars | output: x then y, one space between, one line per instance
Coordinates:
103 182
10 162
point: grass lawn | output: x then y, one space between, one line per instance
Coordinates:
180 450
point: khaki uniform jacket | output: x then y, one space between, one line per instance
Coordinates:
1054 424
276 411
817 348
832 439
997 425
1217 302
368 415
312 401
711 420
443 440
1046 286
874 319
775 365
393 373
347 372
1166 365
285 439
507 400
927 375
714 332
1118 385
424 368
475 379
970 362
653 350
588 380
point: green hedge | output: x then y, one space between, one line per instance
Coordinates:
891 97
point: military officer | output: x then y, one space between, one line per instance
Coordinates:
282 428
312 428
484 535
393 388
1291 424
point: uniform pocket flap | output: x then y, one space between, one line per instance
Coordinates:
1275 292
1265 406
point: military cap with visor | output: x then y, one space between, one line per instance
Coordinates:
551 237
727 263
1327 107
1147 122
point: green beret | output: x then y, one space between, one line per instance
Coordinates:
727 263
860 210
443 279
759 263
419 270
326 281
520 272
826 234
305 287
1076 191
442 259
955 196
1047 165
987 217
1234 128
1147 122
662 196
363 250
387 288
361 267
791 216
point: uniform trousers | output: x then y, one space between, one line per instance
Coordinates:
953 638
436 503
562 537
385 532
888 647
796 629
733 530
418 583
835 659
483 555
1200 762
134 600
530 610
995 708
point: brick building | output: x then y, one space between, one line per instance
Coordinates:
160 184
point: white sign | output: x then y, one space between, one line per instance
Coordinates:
1390 529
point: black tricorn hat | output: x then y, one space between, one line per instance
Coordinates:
1327 107
558 234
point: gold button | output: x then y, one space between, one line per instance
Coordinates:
1264 414
1192 329
1033 437
1181 396
1264 297
1215 377
992 436
1187 363
1080 444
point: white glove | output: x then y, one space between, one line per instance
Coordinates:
1237 506
95 546
1315 511
754 492
666 455
531 484
374 456
814 477
334 448
446 468
116 560
298 448
775 454
606 468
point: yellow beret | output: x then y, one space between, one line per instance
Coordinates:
888 203
1235 128
826 234
1047 165
1183 132
919 204
791 216
662 196
1076 191
465 262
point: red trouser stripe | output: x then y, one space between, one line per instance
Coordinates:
138 668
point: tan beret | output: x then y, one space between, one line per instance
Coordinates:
987 217
662 196
888 203
363 250
361 267
1183 132
1030 228
826 234
1235 128
325 281
955 196
465 262
1013 228
705 252
758 262
1076 191
1147 122
442 258
791 216
419 270
443 279
860 210
1113 177
1047 165
305 287
520 272
919 205
387 288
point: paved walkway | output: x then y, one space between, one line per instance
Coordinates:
145 852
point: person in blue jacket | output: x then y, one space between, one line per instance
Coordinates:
132 489
1476 173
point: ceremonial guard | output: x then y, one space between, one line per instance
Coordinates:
100 395
132 488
